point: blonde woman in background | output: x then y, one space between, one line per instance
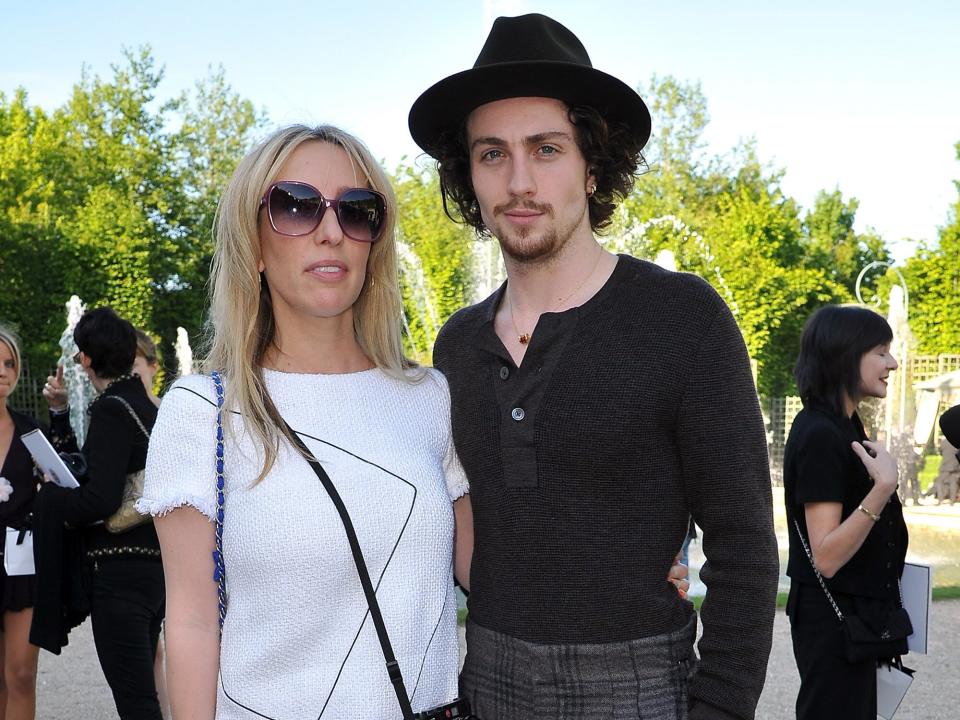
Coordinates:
306 317
18 488
146 365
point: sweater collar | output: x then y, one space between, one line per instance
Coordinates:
490 305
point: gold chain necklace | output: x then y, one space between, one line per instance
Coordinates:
524 337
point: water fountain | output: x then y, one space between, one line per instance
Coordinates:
489 272
411 269
184 353
666 259
898 405
80 390
635 241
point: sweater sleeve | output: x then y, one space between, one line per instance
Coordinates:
180 463
727 482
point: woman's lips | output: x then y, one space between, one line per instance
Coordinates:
328 270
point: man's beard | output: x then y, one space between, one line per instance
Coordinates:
521 244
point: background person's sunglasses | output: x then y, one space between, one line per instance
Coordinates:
296 208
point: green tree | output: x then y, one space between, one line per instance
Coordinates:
727 219
100 198
755 237
832 244
216 129
31 261
933 278
436 261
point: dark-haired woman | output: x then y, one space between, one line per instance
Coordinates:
840 490
127 603
18 487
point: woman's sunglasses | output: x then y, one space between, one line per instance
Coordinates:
296 208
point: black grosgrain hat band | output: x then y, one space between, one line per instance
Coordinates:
527 56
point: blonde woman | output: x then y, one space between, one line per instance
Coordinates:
146 365
18 489
306 328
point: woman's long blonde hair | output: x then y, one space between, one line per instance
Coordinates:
241 327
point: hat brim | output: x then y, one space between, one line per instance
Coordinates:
443 107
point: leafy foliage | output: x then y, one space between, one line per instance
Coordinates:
732 225
100 198
933 277
435 258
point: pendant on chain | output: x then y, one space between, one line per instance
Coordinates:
524 339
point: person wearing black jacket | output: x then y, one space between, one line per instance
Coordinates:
127 588
18 487
840 491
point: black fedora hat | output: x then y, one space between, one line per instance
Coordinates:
526 56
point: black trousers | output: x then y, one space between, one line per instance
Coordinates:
127 610
830 687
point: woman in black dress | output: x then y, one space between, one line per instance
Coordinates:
18 487
840 489
127 601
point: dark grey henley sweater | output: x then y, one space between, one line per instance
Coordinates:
646 415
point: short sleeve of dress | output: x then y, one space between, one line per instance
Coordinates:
180 462
457 485
822 466
453 473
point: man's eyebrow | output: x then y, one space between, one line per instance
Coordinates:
549 135
529 140
490 140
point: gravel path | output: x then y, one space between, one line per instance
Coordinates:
71 686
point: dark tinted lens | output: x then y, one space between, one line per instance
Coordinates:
362 214
294 208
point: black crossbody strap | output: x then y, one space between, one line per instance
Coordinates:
393 668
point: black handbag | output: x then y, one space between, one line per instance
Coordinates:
456 710
865 639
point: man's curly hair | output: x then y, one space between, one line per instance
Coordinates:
611 149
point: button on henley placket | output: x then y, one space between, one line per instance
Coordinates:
520 391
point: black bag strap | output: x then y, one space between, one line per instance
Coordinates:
393 667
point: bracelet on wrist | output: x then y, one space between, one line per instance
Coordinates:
63 411
871 515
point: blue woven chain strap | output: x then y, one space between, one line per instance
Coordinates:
219 571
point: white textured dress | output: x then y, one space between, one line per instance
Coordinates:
298 641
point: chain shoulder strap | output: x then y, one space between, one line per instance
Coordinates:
133 414
806 549
219 570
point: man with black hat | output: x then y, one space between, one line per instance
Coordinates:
598 402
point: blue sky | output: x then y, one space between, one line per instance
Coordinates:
864 96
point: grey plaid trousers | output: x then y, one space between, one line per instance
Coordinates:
509 679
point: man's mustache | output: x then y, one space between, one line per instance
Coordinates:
544 208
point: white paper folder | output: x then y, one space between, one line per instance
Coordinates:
892 686
916 584
48 460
